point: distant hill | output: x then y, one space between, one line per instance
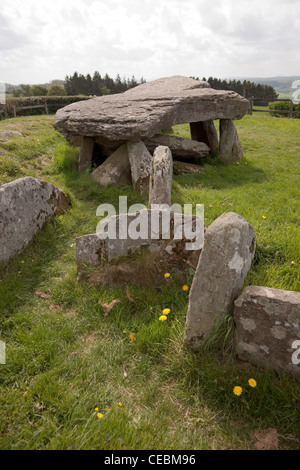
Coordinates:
283 85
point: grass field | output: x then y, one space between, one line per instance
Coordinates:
74 378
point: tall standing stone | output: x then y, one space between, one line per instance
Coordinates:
140 164
230 145
225 260
160 185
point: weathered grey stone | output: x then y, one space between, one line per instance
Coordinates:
160 185
143 111
11 134
268 328
154 230
205 131
184 168
115 169
140 163
26 204
230 145
180 147
86 153
224 263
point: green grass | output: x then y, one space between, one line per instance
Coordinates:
64 358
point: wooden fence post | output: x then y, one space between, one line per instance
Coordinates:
15 111
46 108
291 109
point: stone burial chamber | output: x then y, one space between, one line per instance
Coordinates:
120 132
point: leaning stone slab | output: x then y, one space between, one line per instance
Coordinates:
205 131
224 263
26 204
160 185
145 110
115 169
268 328
86 153
181 148
140 164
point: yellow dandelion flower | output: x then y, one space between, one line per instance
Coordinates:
185 287
166 311
237 390
162 318
167 275
22 261
120 404
96 409
99 415
292 262
252 383
264 217
132 337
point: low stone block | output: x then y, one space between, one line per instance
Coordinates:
268 328
180 148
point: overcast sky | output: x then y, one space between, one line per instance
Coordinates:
45 40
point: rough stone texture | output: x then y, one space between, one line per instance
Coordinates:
115 169
158 232
225 260
86 153
230 145
143 111
160 185
26 204
205 131
184 168
140 163
268 324
11 134
181 148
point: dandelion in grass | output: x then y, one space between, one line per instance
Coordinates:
185 287
252 383
293 262
167 275
96 409
99 415
132 337
264 217
120 404
237 390
166 311
162 318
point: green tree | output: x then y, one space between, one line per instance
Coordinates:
56 90
38 90
26 90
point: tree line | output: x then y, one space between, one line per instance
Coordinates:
249 89
79 84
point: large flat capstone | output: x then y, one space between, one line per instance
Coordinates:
143 111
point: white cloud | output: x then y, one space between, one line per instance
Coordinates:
40 41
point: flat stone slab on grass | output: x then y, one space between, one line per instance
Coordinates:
26 204
268 328
143 111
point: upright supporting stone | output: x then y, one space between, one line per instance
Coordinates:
225 260
230 145
205 131
160 184
86 153
140 163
